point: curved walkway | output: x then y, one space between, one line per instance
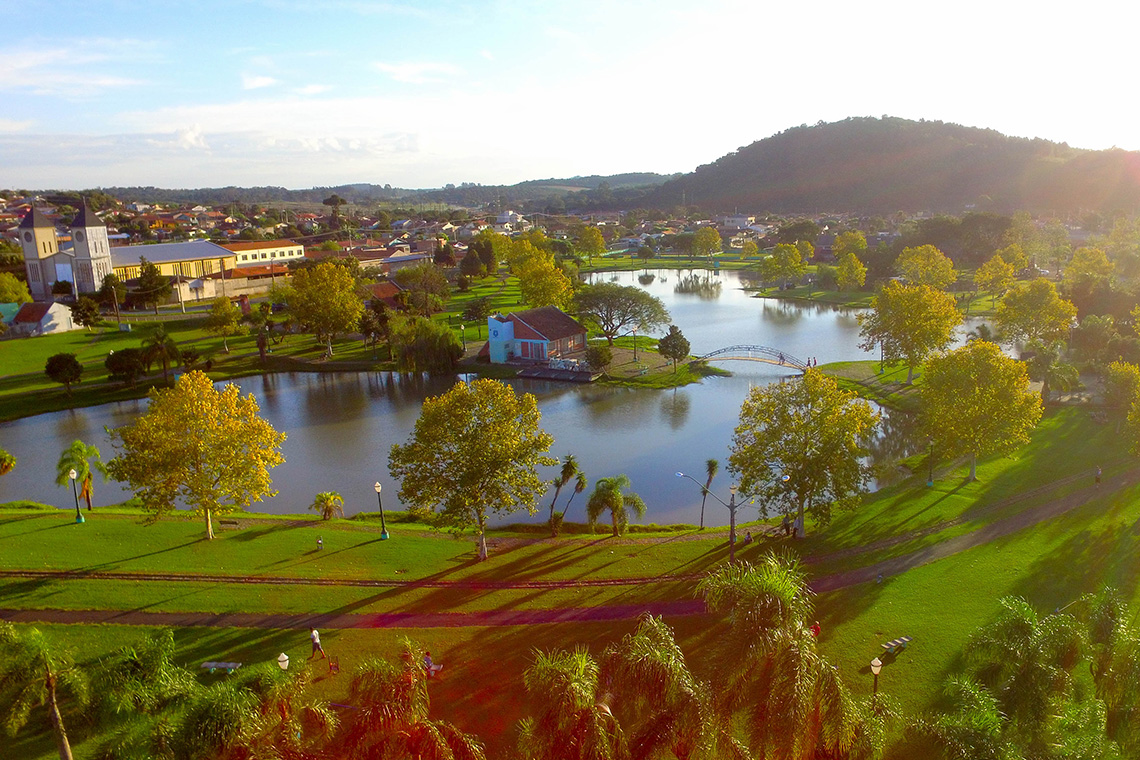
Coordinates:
886 568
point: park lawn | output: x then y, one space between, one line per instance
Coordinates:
851 299
888 388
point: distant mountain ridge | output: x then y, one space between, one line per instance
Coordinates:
882 165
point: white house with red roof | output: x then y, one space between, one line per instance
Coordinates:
534 335
41 318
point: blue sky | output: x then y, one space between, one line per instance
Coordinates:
323 92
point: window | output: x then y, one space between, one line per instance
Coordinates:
264 255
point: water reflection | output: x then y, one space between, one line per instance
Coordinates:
675 405
705 288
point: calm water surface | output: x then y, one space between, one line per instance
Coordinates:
340 427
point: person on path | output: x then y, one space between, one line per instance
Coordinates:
316 639
430 666
1098 476
787 525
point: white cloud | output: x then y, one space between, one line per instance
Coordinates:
487 54
256 82
312 89
74 70
11 125
418 73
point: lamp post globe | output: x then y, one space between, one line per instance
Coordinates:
283 661
78 515
876 668
380 500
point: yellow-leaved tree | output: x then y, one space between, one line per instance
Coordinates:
474 450
199 446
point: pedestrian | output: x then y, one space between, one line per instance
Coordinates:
320 543
787 525
315 637
815 629
1098 476
430 666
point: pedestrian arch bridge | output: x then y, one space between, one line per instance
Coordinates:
755 354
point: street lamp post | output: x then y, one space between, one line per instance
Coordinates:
635 344
876 667
463 337
383 527
731 506
930 463
78 515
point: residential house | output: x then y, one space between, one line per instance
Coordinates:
42 318
534 335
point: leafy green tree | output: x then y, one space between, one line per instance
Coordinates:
64 369
328 504
712 466
126 365
224 320
85 312
801 446
13 289
995 276
673 346
423 345
975 728
599 357
334 202
573 721
62 288
1121 385
425 288
1014 254
160 347
794 704
151 286
853 243
80 457
610 496
909 323
203 446
1034 311
801 229
470 265
926 265
392 720
581 483
591 243
749 250
706 242
850 274
141 678
1045 364
617 308
474 450
565 475
1115 664
785 263
7 462
112 292
32 674
976 401
324 299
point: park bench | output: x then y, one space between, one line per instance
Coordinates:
229 523
897 644
229 667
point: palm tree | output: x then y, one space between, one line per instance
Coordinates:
159 346
974 730
711 467
330 504
142 677
796 706
983 332
1044 364
80 456
580 484
574 721
568 471
7 462
33 674
609 495
1027 661
670 709
392 719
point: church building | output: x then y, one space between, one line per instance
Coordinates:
84 264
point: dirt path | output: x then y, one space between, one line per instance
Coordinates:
886 568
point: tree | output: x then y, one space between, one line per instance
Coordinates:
392 720
425 288
1034 311
976 401
328 504
80 457
470 265
795 704
543 284
85 312
591 243
995 276
62 288
126 365
909 322
853 243
151 286
112 292
1045 364
706 242
712 466
7 462
618 308
975 729
1014 255
926 265
142 678
1089 267
33 673
610 496
13 289
474 450
324 299
749 250
850 274
580 485
423 345
568 471
224 320
674 346
64 369
785 263
203 446
1121 385
801 445
599 357
160 347
334 202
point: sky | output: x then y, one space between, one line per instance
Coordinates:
304 93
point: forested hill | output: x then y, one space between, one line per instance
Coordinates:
890 164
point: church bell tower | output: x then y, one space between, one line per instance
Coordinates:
38 239
92 250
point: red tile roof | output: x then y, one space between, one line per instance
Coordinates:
31 313
256 245
547 322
